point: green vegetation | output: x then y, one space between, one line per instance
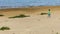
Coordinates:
20 16
43 13
4 28
1 15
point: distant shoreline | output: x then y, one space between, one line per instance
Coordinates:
9 7
35 8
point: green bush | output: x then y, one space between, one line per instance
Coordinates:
43 13
1 15
20 16
4 28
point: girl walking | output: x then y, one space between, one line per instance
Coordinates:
49 13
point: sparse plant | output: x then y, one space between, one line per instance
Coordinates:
1 15
43 13
19 16
4 28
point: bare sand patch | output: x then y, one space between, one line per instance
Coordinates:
36 24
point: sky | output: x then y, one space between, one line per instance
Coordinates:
29 2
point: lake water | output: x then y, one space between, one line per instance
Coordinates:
15 3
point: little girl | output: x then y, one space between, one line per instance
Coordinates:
49 13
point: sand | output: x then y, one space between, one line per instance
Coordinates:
35 24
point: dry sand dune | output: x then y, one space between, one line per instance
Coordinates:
29 10
35 24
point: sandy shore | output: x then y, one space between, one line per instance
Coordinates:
35 24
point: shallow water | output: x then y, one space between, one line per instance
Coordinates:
16 3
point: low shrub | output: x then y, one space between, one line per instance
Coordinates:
20 16
1 15
4 28
43 13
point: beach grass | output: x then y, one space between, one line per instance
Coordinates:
1 15
43 13
19 16
4 28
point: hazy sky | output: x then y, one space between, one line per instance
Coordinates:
28 2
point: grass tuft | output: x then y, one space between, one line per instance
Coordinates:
20 16
1 15
4 28
43 13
